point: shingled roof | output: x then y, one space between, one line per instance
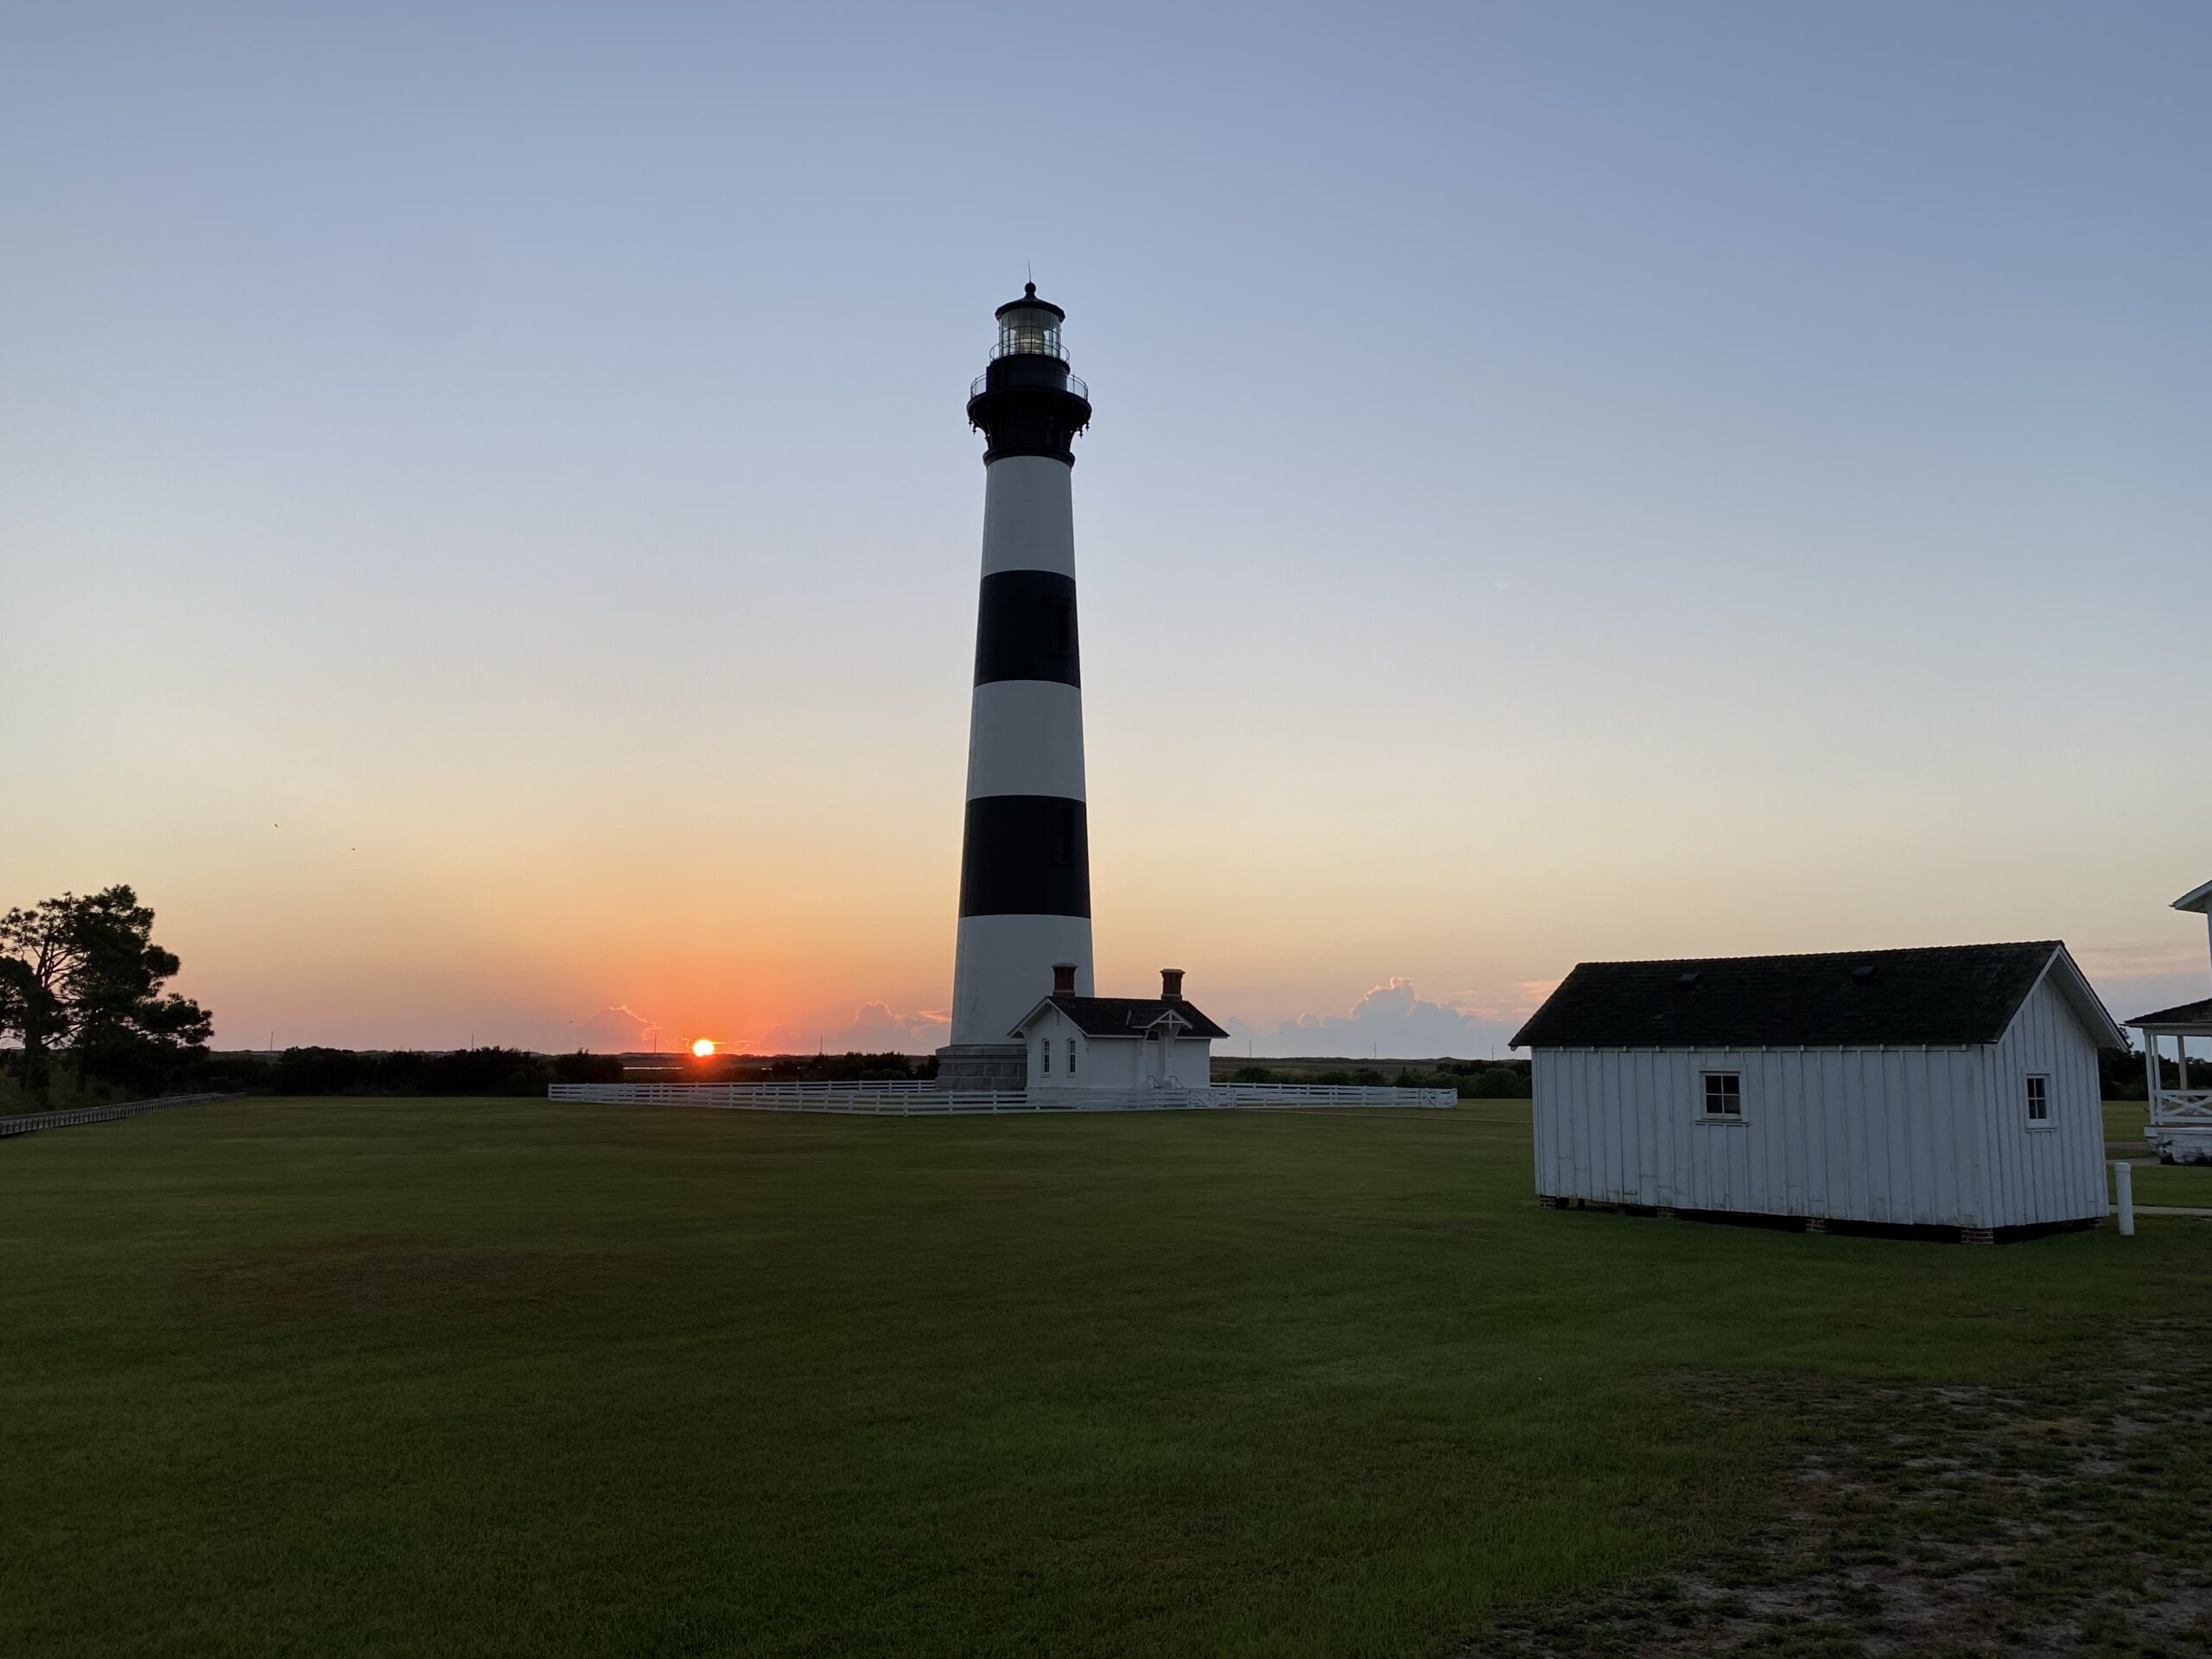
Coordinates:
1937 997
2187 1013
1121 1016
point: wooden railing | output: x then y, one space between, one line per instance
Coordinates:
2181 1106
31 1121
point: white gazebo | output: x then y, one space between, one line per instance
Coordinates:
2181 1118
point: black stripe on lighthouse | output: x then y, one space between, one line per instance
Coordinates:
1025 855
1025 629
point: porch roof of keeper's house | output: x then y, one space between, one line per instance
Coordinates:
2185 1019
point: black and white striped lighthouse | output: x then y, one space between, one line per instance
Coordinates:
1025 863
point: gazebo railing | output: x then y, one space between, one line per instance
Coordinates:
2172 1106
2182 1107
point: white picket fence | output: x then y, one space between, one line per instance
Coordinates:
25 1124
925 1099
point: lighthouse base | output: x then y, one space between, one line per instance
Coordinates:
983 1065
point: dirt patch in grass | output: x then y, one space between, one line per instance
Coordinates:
2071 1516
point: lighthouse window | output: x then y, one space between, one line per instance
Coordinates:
1045 1052
1071 1056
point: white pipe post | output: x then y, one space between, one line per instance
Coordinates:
2123 1179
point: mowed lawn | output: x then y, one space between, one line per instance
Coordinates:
508 1378
2186 1185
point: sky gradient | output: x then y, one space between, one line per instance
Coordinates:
490 534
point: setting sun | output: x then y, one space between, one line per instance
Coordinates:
704 1048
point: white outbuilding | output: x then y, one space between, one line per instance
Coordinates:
1117 1043
1954 1087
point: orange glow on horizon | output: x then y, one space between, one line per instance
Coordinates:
703 1049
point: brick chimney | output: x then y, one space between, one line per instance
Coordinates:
1171 984
1063 979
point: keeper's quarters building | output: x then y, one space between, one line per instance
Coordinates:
1952 1087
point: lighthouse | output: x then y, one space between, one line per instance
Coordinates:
1024 860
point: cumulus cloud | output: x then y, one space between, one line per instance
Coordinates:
1393 1021
615 1030
2165 960
875 1029
2139 978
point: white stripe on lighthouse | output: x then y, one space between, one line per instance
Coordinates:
1028 516
1002 968
1025 737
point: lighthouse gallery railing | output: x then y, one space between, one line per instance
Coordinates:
1076 385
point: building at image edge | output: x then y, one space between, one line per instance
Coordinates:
1953 1086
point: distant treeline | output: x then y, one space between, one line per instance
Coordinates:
513 1071
2125 1078
517 1072
463 1072
805 1068
1470 1079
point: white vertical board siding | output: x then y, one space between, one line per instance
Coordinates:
1111 1064
1858 1134
1192 1062
2057 1173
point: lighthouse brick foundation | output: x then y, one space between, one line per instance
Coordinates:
1025 865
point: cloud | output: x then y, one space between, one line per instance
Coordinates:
2160 961
2136 978
616 1029
1393 1021
875 1029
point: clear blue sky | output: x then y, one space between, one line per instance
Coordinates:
489 532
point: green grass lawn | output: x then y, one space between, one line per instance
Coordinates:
2189 1186
508 1377
2186 1184
2126 1120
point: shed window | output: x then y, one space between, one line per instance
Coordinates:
1724 1094
1071 1056
2039 1101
